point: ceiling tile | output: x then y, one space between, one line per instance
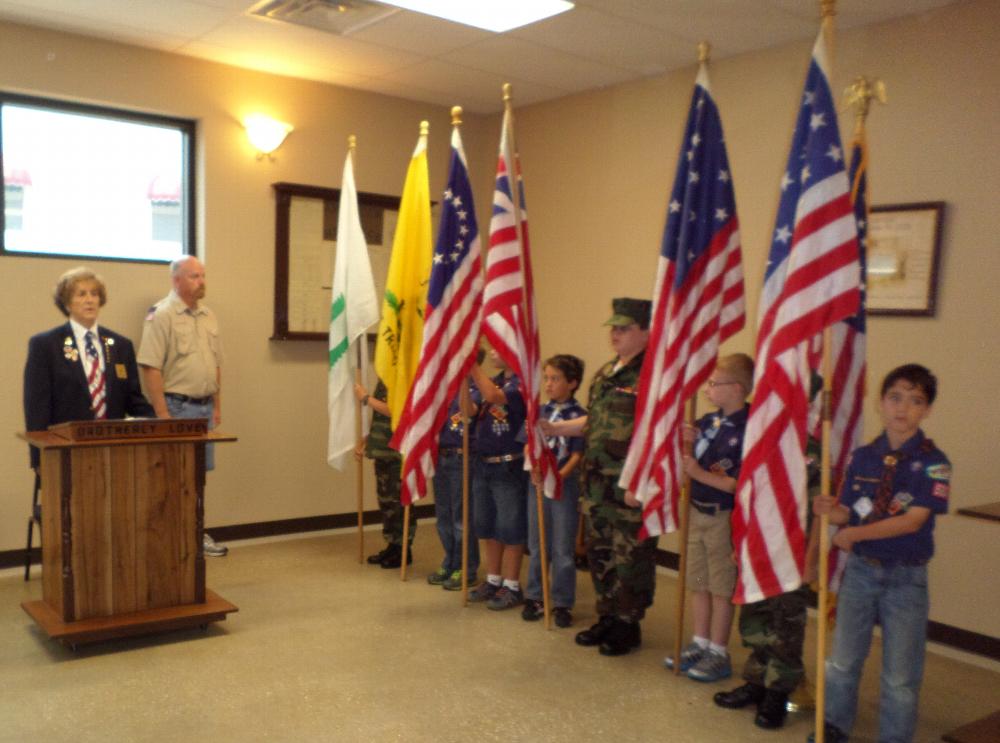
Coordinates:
276 40
514 57
276 64
611 40
423 34
178 17
731 26
464 85
851 13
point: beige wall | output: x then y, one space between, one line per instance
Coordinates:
274 392
598 169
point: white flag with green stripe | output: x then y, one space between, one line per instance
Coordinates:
354 308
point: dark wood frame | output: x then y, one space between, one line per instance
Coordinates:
931 299
283 193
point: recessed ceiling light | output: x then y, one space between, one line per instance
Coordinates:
492 15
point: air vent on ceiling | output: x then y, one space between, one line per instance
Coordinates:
341 17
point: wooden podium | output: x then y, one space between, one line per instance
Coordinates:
122 523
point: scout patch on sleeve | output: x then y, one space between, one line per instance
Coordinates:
150 313
940 490
940 472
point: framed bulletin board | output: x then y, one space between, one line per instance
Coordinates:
305 245
904 255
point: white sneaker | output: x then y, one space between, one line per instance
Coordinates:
210 548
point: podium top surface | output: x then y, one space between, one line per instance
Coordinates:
125 432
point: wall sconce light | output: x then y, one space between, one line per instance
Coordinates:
265 134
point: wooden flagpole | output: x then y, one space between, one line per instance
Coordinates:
704 52
682 552
513 168
827 12
424 130
352 144
463 405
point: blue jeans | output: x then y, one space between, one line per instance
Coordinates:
500 495
897 597
448 510
187 409
562 517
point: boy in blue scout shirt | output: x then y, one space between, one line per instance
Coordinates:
448 502
499 484
891 492
714 468
562 375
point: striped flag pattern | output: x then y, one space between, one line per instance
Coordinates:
698 304
848 349
451 329
811 282
509 319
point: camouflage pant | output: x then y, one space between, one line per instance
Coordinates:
387 475
774 630
622 566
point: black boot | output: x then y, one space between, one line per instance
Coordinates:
622 638
596 633
395 558
740 697
772 710
379 556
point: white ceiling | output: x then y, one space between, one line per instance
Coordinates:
409 55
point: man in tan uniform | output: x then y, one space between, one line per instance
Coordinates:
180 357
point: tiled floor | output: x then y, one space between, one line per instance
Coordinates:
324 649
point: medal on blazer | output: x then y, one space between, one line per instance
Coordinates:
69 350
120 371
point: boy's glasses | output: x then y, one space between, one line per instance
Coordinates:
715 383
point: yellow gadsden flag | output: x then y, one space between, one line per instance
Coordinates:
401 330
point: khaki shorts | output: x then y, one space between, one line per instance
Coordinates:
710 547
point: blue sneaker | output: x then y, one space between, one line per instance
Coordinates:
689 656
713 666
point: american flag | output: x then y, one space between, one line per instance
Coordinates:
509 319
848 349
451 329
811 282
698 303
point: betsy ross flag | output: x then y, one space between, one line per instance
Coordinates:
697 304
848 349
401 329
451 329
353 309
509 320
811 282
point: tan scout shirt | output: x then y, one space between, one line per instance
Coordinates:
184 345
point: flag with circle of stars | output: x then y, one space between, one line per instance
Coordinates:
698 302
451 329
811 282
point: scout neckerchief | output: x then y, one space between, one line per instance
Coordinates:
892 460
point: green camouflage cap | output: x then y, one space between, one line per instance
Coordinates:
627 311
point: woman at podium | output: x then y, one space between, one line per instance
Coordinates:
80 370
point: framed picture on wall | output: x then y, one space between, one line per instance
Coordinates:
904 253
305 245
